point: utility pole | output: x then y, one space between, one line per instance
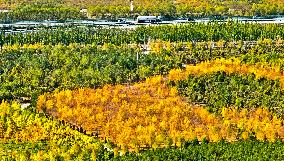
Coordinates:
131 8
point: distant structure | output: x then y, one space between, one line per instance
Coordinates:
4 11
85 12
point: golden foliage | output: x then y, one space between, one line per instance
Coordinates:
18 125
151 114
229 66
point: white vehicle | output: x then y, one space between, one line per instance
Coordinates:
148 19
122 20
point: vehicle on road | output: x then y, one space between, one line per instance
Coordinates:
149 19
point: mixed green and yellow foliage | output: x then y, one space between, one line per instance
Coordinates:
202 92
153 115
55 9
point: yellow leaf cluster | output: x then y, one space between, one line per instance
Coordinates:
31 127
24 46
229 66
151 114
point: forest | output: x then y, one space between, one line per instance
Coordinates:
112 9
198 91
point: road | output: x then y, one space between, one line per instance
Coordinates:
28 26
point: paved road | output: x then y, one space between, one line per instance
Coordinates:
23 26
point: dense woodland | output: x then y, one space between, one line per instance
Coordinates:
201 91
64 9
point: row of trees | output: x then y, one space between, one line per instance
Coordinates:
195 32
33 69
242 150
197 9
41 10
29 12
